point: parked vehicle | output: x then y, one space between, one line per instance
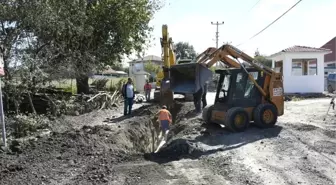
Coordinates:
331 81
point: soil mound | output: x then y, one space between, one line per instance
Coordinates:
176 150
89 147
177 145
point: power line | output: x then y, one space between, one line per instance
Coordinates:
271 22
254 5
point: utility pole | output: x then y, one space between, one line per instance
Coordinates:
217 35
2 116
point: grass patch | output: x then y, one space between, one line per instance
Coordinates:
69 85
295 98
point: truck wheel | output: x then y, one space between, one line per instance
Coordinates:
237 119
206 114
330 89
265 115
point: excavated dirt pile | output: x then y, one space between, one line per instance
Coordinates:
178 144
85 154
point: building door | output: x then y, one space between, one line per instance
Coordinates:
279 66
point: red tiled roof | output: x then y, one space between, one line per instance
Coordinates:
297 48
332 46
304 49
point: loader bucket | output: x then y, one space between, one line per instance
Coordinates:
188 77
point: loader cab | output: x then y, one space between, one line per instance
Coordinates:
235 89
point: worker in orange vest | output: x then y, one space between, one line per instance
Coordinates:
165 119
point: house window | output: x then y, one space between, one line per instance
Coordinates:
312 65
304 67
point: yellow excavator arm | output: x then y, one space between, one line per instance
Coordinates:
168 55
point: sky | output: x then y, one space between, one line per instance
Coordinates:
311 23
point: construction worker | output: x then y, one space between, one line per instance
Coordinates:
205 90
165 119
197 100
147 89
128 94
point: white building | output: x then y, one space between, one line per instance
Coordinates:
137 70
302 68
139 64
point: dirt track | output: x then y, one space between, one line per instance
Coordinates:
299 150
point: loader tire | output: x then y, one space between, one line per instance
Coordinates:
237 119
206 114
265 115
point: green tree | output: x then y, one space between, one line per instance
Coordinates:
262 59
184 50
125 69
82 35
151 67
12 18
117 66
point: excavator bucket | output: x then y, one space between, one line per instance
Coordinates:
188 77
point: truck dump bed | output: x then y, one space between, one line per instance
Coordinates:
188 77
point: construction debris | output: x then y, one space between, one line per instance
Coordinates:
105 100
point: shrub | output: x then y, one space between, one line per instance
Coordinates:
120 83
22 125
70 89
100 84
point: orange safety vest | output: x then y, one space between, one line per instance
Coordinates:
164 115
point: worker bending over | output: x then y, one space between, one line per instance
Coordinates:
197 100
205 90
200 98
165 119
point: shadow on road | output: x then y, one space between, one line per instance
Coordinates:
216 140
214 135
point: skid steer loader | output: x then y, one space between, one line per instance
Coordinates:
246 91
